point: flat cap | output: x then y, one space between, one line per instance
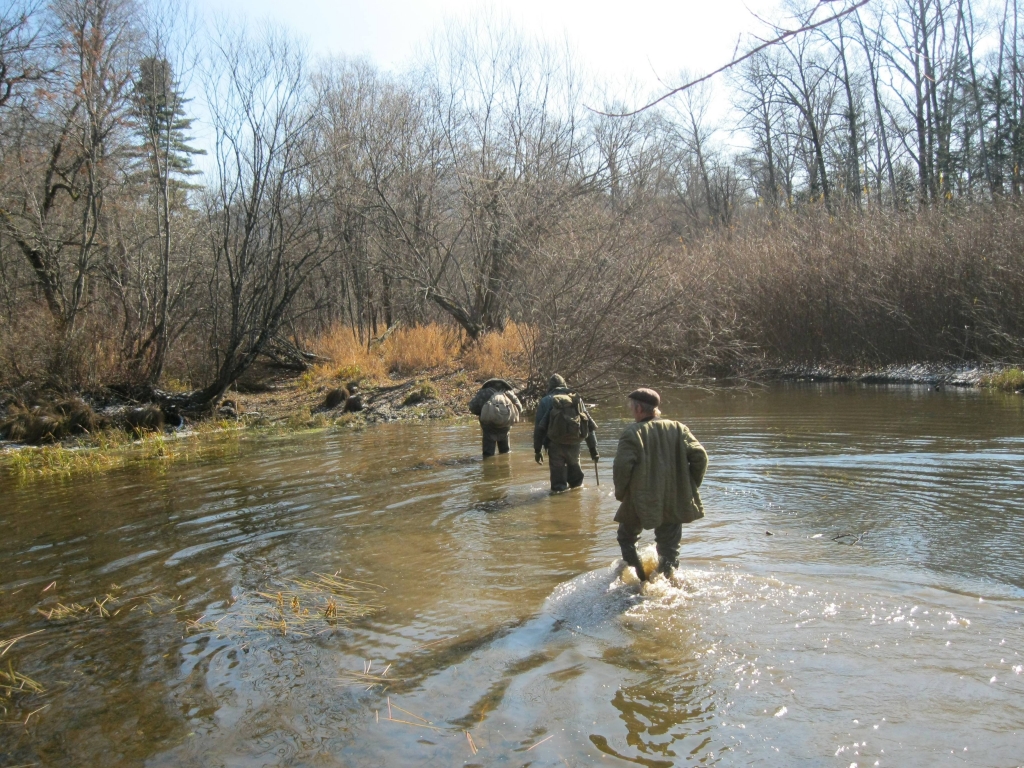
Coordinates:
647 396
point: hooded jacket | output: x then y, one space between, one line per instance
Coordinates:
658 469
556 386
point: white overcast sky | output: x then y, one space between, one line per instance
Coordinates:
639 41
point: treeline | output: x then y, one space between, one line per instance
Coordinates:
869 216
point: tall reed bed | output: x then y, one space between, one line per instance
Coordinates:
871 288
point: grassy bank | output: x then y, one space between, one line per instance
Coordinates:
415 373
113 449
1011 380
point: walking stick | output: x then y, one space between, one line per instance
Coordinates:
596 476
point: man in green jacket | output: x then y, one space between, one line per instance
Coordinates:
658 468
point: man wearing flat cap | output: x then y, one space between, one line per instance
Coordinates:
658 469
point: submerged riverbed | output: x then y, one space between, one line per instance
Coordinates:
881 622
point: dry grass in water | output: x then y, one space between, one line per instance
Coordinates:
6 645
368 679
423 722
75 611
107 607
13 682
307 607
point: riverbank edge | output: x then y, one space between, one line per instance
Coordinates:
935 374
287 405
295 405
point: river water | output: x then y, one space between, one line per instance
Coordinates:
880 623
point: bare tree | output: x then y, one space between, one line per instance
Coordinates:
264 211
20 41
872 54
67 150
499 150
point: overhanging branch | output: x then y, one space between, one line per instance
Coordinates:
753 52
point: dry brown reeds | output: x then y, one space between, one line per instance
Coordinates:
422 348
350 358
49 421
419 348
861 289
501 354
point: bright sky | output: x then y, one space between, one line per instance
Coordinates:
639 41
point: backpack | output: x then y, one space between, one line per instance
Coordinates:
568 423
499 412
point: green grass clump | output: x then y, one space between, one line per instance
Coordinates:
421 392
112 448
1011 380
349 373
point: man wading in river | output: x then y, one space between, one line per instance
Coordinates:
498 408
658 467
561 424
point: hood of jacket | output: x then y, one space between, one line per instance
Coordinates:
555 382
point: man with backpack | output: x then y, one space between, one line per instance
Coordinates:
561 424
658 469
498 408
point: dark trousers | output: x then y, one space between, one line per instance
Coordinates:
666 536
564 462
494 438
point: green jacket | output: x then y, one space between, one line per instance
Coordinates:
659 465
543 416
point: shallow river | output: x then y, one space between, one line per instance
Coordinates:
880 623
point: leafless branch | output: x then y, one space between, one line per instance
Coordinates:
787 34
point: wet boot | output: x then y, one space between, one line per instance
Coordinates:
633 559
667 567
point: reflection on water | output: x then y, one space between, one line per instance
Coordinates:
879 623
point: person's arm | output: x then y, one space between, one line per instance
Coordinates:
696 457
477 403
515 400
592 439
627 455
543 407
539 433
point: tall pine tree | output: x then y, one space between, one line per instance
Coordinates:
162 124
163 163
